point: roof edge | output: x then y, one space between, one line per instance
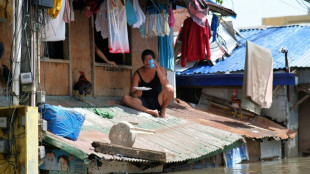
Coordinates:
209 80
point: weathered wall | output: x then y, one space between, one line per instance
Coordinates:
303 76
80 45
54 78
291 146
222 93
304 122
278 110
253 148
112 81
304 114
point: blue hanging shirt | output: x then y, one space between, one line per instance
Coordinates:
130 13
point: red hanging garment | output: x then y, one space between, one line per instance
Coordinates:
195 42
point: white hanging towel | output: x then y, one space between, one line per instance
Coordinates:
139 13
55 29
118 35
258 74
101 22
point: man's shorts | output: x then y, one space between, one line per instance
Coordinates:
151 103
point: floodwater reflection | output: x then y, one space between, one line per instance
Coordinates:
285 166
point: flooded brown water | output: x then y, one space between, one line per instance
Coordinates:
285 166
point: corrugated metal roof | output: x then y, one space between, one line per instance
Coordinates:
186 135
181 139
294 38
213 7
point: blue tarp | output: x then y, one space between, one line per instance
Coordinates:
62 121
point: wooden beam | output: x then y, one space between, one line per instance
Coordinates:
70 59
92 54
146 154
300 101
304 87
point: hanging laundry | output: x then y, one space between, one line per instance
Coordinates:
171 18
101 21
147 21
130 13
56 9
198 10
162 24
55 28
139 13
142 30
195 40
165 51
71 11
214 24
166 24
156 20
218 52
93 6
150 26
154 27
159 23
67 12
258 75
118 35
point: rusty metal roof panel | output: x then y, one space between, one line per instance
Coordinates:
257 127
181 139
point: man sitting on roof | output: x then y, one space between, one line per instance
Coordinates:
149 91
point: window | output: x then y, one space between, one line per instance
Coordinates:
103 45
56 49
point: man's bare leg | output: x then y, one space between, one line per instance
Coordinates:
136 103
164 99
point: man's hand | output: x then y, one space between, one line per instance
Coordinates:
112 63
136 93
157 66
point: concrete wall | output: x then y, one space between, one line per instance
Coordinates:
278 109
291 146
303 76
277 112
222 93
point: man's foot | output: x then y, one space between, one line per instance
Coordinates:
154 113
163 113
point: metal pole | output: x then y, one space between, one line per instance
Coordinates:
17 55
34 60
287 70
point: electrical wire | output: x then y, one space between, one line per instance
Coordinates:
302 4
290 5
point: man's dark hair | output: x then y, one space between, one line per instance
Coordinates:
147 52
